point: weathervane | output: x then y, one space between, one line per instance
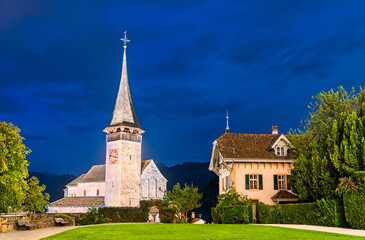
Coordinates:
125 39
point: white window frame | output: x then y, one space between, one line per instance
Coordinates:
281 182
280 151
254 179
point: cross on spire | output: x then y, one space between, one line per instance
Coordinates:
125 39
227 128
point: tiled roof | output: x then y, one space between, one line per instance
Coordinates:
144 164
254 146
282 194
95 174
76 181
78 202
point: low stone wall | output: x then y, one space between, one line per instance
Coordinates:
7 227
39 220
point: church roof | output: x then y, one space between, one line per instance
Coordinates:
97 173
241 145
78 202
144 164
76 181
123 114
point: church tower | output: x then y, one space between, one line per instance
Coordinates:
123 148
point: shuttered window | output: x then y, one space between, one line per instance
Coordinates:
275 182
247 179
287 182
261 182
253 182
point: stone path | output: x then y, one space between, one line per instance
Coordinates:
347 231
45 232
33 234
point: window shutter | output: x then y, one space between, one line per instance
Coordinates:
247 182
287 182
260 182
275 182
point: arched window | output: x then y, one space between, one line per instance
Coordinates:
97 192
84 193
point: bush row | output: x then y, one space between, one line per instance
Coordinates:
325 212
232 214
117 214
302 213
354 205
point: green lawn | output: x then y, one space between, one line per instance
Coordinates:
187 231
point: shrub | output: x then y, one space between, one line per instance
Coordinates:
299 213
117 214
232 208
355 209
330 212
167 215
65 216
215 216
125 214
235 214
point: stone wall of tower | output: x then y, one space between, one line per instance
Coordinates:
122 179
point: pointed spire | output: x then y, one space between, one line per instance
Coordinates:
123 114
227 128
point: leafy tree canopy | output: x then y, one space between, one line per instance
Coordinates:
232 198
13 167
35 199
331 145
183 200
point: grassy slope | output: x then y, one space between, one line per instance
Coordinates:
186 231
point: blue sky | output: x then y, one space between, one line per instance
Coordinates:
188 61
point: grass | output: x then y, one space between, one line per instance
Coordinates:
187 231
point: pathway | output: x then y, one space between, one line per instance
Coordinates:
347 231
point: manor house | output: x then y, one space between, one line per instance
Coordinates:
256 165
124 179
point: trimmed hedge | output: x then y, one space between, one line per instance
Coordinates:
117 214
300 213
354 204
125 214
232 214
324 212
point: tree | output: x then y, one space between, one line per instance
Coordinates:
232 198
183 200
331 145
35 199
13 167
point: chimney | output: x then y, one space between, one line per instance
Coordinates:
275 130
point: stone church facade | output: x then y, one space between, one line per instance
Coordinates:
124 179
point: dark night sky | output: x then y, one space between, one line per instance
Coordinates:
188 61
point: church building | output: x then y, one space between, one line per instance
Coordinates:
124 180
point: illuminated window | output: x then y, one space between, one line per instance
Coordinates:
254 181
281 182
